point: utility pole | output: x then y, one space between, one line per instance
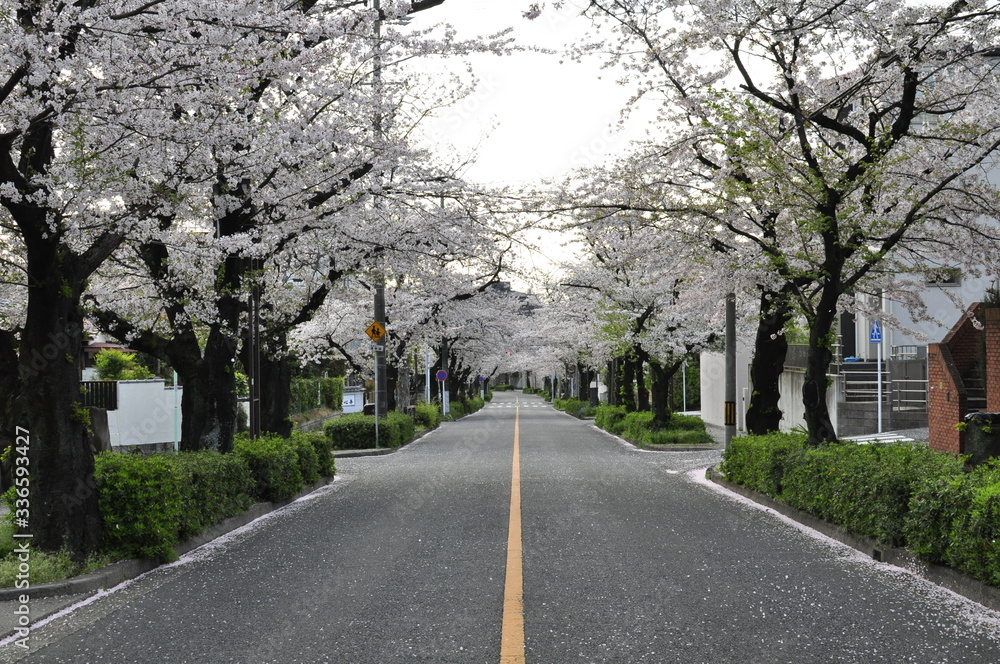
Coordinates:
730 416
381 393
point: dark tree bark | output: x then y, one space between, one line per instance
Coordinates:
770 349
815 389
660 375
627 389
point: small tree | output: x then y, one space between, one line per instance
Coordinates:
113 364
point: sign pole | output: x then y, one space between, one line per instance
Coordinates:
876 338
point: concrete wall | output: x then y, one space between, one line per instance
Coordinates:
148 413
793 411
713 387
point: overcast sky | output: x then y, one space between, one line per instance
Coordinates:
534 115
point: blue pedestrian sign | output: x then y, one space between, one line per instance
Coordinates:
876 334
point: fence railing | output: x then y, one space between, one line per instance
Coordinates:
99 394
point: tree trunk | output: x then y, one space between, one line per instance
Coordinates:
770 349
660 394
275 394
814 390
10 388
627 388
613 382
642 393
208 402
52 423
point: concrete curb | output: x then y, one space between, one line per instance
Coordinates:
946 577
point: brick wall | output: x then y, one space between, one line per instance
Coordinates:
946 400
947 362
993 359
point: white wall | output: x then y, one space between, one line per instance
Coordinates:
790 403
148 412
713 386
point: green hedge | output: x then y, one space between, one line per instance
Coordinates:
637 427
572 406
213 487
274 465
140 500
956 521
310 393
898 494
357 431
150 503
323 448
428 415
610 418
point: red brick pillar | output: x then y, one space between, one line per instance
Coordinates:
945 400
992 359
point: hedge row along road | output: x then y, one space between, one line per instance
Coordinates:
625 557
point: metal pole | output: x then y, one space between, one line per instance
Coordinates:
684 384
878 362
427 371
730 414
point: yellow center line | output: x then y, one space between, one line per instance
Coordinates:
512 634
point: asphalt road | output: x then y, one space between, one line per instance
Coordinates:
627 557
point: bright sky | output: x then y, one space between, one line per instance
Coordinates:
534 115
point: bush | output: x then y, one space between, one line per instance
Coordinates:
572 406
759 462
400 429
955 520
308 459
139 498
333 392
351 432
212 487
864 488
357 431
610 418
274 465
428 415
456 410
113 364
473 404
324 451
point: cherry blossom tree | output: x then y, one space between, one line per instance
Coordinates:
652 304
830 138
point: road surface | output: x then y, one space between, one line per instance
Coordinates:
623 556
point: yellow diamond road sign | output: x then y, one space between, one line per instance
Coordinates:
375 331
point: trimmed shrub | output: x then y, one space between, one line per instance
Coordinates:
679 437
399 427
572 406
428 415
212 487
323 448
759 462
456 410
473 404
274 466
610 418
351 432
974 545
139 498
955 520
308 459
357 431
864 488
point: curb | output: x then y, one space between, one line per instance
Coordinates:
941 575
